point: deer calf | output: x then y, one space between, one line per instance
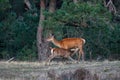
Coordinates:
59 52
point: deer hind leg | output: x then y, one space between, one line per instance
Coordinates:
50 58
81 53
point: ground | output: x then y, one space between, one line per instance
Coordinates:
105 70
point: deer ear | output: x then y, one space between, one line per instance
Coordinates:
51 34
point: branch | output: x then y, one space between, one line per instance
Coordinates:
75 24
10 59
69 23
27 2
110 6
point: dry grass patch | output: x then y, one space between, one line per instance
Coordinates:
39 70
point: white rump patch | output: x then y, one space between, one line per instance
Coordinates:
52 51
84 40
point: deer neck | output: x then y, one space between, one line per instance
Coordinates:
56 42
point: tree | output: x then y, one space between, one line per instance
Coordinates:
41 44
52 6
40 30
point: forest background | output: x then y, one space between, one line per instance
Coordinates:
25 24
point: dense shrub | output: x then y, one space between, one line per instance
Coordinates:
18 33
90 21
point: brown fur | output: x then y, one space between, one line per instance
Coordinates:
69 43
59 52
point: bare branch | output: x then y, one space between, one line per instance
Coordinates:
28 4
10 59
110 6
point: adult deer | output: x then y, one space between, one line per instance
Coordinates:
69 43
60 52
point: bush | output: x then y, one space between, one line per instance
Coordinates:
88 20
17 33
28 54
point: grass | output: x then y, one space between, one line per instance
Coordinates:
38 70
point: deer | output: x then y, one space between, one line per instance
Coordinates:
69 43
60 52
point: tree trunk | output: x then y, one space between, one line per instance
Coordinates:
41 45
52 6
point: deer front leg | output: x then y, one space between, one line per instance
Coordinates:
50 58
81 53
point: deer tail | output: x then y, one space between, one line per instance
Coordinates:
84 41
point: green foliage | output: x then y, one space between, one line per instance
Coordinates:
5 55
114 41
72 14
17 33
88 19
4 6
70 18
97 39
28 54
